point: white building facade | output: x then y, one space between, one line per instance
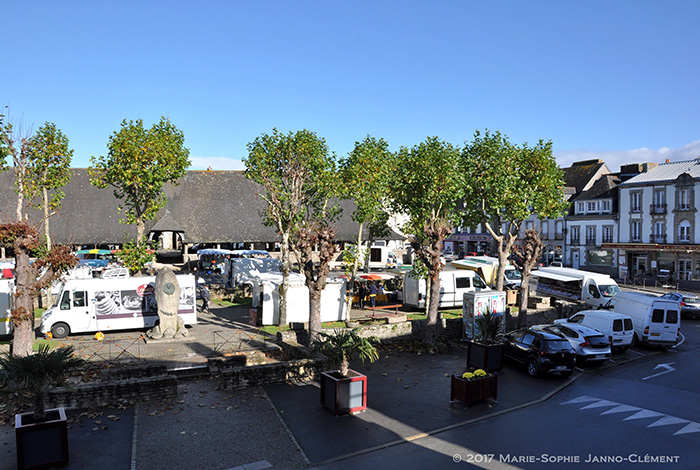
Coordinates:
658 223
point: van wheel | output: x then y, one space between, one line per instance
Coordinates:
60 330
533 368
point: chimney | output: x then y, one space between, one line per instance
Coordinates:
668 160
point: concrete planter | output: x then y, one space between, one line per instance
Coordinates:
43 444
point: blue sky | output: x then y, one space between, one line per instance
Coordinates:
616 80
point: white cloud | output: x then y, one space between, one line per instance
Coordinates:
216 163
615 158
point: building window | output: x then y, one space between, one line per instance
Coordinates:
684 231
592 206
659 233
580 208
608 234
635 202
606 206
591 235
600 257
576 235
684 199
559 229
635 231
659 203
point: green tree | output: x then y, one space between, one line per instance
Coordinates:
48 170
427 187
138 164
365 178
506 184
291 170
135 256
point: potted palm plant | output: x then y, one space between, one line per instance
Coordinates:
41 435
485 350
344 390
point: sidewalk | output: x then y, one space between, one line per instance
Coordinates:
283 426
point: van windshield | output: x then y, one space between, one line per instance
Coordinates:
609 290
58 297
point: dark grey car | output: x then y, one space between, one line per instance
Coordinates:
540 351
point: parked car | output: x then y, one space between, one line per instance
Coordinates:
540 351
448 255
617 327
590 344
690 303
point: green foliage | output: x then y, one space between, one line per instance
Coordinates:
508 184
138 164
296 171
365 177
343 345
37 372
135 256
48 166
427 185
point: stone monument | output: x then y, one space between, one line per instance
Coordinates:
168 300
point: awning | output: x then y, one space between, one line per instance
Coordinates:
95 251
668 248
556 277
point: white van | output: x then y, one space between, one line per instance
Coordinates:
87 305
617 327
593 289
7 287
453 285
656 320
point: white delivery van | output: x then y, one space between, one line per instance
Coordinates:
487 268
87 305
656 320
617 327
593 289
453 285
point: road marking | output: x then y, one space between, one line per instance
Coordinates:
638 413
666 366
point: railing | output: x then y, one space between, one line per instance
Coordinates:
657 209
590 241
657 238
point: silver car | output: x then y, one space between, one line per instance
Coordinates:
590 345
690 303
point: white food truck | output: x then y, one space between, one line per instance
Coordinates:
593 289
87 305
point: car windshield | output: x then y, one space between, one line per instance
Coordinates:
609 290
557 345
691 300
513 275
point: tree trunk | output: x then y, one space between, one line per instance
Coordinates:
46 219
431 327
522 305
314 311
284 288
140 230
23 312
